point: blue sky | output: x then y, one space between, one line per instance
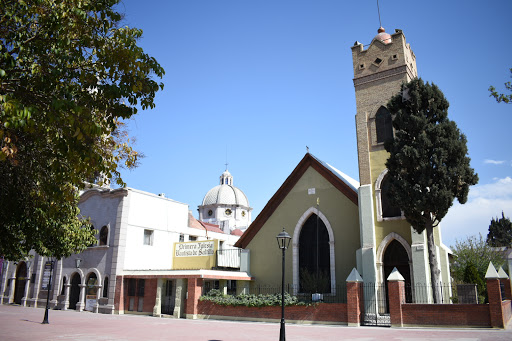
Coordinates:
257 81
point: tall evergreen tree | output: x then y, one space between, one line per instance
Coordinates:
500 232
428 163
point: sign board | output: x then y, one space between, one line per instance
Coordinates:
46 285
90 302
195 255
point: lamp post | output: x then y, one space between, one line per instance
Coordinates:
283 240
45 319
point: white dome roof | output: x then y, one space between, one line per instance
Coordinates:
225 195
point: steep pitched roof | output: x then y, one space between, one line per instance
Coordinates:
341 181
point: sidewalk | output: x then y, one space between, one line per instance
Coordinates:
19 323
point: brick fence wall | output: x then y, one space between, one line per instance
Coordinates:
446 315
321 312
507 310
495 314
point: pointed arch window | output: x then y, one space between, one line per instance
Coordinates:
385 211
314 257
388 210
383 125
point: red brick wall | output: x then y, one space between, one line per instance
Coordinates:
354 302
446 314
119 294
507 310
149 295
326 312
495 302
150 286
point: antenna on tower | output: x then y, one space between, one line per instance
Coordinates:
378 11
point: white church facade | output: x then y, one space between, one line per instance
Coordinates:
136 257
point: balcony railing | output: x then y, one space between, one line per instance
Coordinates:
228 258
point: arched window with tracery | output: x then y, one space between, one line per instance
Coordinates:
314 257
383 125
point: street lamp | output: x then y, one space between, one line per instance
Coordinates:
45 319
283 240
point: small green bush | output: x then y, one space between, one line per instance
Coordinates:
216 296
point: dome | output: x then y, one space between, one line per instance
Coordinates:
383 36
225 195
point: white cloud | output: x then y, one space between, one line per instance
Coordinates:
494 162
484 203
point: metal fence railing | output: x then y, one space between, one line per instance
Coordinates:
453 293
372 294
228 258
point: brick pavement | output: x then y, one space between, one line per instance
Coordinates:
19 323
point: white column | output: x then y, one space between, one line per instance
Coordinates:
38 268
11 288
98 296
66 296
26 293
56 282
3 282
81 301
157 308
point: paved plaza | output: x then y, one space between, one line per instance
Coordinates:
19 323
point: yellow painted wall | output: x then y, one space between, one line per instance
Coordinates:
195 255
383 228
342 214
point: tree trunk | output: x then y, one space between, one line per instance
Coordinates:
435 279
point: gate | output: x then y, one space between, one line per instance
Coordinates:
168 299
375 308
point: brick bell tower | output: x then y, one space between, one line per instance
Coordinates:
378 73
379 70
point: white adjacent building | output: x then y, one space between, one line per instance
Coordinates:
130 269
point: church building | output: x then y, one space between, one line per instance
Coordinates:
335 222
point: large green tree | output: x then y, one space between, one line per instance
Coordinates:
474 250
69 75
500 231
500 97
428 163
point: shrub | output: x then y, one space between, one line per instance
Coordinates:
216 296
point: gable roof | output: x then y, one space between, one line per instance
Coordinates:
344 183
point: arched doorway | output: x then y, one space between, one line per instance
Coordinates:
91 293
314 257
74 292
21 281
396 256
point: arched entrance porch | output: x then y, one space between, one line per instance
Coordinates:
74 292
21 281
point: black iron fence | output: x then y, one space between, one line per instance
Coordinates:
454 293
375 295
